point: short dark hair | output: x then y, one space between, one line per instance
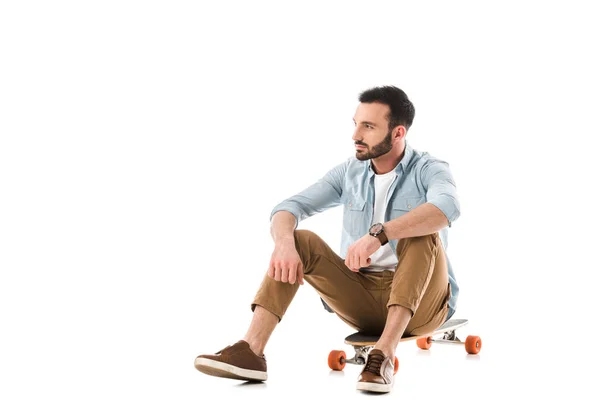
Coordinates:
402 111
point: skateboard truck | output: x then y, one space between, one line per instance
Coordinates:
337 358
360 355
472 344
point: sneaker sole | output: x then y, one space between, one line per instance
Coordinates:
374 387
223 370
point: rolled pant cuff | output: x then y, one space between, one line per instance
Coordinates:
269 307
404 303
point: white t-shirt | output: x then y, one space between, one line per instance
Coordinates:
385 257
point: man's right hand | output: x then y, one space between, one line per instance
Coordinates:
285 265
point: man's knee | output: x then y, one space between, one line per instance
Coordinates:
426 243
304 238
304 234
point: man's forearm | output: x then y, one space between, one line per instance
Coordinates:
282 226
423 220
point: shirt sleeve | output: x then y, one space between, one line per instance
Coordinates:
320 196
441 189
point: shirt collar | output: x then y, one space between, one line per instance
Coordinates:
402 165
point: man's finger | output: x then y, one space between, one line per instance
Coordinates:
300 273
365 263
348 262
356 262
271 270
292 272
277 276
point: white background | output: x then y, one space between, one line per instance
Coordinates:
144 143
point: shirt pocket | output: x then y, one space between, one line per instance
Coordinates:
354 214
403 205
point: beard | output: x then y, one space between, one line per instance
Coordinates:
378 150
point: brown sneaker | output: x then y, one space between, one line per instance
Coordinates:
235 362
378 373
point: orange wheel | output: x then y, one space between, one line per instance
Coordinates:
337 360
424 343
473 344
396 365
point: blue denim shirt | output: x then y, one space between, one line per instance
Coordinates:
420 178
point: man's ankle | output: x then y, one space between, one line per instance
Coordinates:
388 352
255 347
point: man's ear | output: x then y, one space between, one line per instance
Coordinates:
400 132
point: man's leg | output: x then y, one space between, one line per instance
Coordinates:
262 325
395 325
419 291
355 297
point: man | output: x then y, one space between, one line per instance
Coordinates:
393 276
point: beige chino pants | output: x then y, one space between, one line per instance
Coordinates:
420 283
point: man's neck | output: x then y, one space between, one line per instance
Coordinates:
387 162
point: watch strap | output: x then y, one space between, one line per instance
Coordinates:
382 238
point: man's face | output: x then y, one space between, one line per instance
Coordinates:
372 136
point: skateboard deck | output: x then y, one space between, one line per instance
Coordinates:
363 343
360 339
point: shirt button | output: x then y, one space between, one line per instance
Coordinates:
349 204
409 206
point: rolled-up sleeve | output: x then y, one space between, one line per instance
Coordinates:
322 195
441 189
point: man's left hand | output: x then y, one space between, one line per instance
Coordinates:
359 252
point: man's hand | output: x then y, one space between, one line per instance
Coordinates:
360 251
285 265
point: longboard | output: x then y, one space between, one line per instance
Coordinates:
364 343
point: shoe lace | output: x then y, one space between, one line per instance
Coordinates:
374 362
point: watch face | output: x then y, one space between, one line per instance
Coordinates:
376 228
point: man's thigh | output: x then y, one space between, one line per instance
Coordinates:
357 298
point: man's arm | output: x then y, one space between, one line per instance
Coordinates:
324 194
441 209
282 226
423 220
285 264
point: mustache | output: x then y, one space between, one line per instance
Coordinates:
360 144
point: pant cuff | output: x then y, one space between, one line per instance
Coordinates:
404 303
269 307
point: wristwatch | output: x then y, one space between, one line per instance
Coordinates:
376 230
